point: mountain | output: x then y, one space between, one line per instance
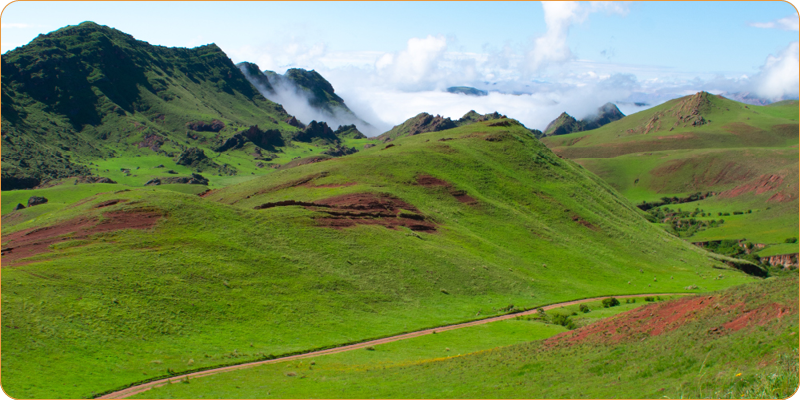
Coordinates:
744 156
89 92
427 230
306 94
469 91
421 123
424 122
566 123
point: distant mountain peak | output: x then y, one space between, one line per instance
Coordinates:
566 123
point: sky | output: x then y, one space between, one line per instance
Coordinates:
392 60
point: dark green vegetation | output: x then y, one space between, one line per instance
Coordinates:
469 91
90 100
478 217
566 123
741 159
737 343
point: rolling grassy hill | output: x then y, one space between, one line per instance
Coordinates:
738 343
745 154
432 229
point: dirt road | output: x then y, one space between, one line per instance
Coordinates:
120 394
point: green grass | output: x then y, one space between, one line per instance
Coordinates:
217 282
687 362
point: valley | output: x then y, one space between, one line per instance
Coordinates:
167 215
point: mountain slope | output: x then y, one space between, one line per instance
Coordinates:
90 92
746 155
427 230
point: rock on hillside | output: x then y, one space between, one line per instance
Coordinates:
348 131
421 123
88 91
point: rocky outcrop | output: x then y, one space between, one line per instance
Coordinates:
316 130
340 151
348 131
36 200
295 123
784 260
566 123
19 206
421 123
195 179
202 126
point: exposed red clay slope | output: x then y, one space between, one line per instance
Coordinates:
460 195
30 242
763 184
659 318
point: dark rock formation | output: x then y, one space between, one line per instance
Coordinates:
19 206
36 200
201 126
316 130
295 123
348 131
195 179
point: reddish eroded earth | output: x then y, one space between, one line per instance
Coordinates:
460 195
764 183
363 209
30 242
658 318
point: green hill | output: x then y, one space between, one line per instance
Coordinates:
746 156
441 227
90 100
89 92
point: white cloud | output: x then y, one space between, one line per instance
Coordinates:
559 16
415 67
778 77
281 55
790 23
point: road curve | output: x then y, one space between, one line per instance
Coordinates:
121 394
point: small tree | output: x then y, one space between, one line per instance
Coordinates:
584 308
610 302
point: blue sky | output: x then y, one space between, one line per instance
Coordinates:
562 56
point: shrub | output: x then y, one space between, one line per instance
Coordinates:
649 298
610 302
791 240
563 320
584 308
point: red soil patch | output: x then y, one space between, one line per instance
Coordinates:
765 183
30 242
460 195
757 317
658 318
652 320
363 209
207 192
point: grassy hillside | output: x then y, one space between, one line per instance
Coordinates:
428 230
738 343
746 155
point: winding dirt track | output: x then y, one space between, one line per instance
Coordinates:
121 394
